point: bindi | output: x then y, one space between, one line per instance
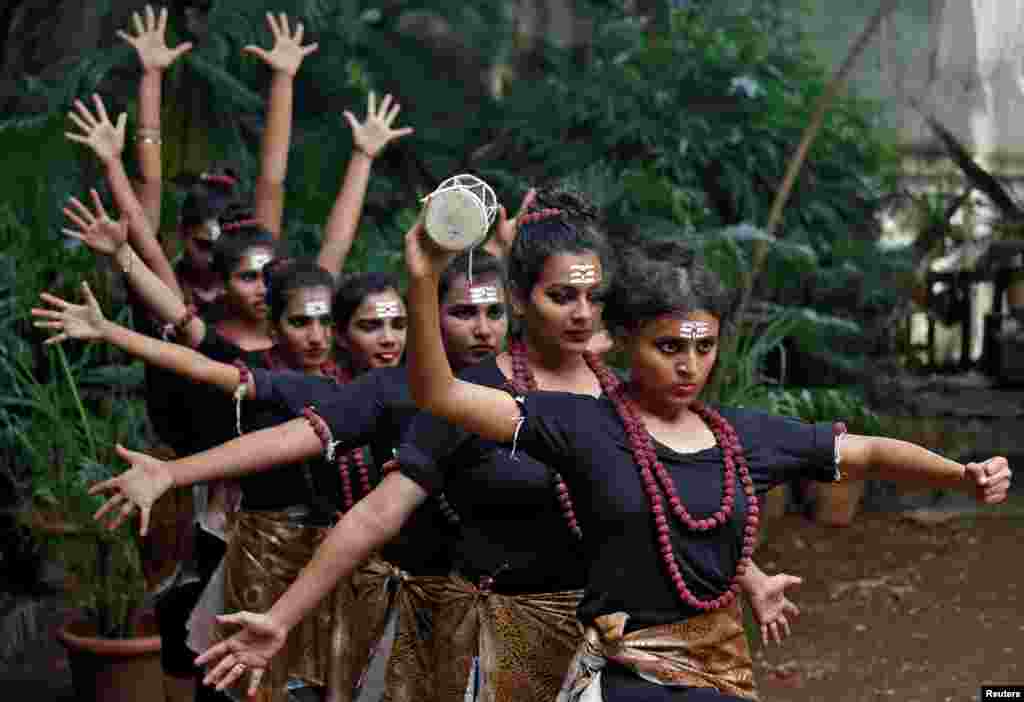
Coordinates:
694 330
387 310
582 274
257 261
483 295
316 308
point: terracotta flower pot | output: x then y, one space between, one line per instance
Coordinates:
1015 291
836 504
113 670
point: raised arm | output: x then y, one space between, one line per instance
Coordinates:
880 458
107 142
284 60
110 238
370 524
369 139
148 478
487 412
87 323
154 56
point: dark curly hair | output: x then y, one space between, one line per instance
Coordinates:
662 277
575 231
209 195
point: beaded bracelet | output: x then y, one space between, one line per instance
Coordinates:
323 432
839 431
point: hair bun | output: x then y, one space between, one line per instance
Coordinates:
572 203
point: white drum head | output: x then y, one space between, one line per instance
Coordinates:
460 212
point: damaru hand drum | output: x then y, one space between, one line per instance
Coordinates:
460 212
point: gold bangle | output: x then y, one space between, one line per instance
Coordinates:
148 140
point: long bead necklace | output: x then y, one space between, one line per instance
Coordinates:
653 475
342 376
523 381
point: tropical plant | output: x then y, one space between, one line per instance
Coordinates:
59 448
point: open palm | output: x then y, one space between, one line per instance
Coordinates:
248 650
101 135
150 40
287 54
375 132
772 609
84 322
96 229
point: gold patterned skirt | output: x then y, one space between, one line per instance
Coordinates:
706 651
265 553
491 647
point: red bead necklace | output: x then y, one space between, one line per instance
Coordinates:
524 381
733 460
342 376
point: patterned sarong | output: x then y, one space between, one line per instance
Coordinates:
386 594
709 651
491 647
265 553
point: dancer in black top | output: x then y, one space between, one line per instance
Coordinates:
650 450
527 575
374 409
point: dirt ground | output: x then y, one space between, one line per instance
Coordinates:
895 609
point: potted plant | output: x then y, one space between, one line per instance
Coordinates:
64 442
835 504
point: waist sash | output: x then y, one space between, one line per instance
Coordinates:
492 647
265 553
709 651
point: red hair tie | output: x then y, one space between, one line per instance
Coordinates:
539 215
232 226
218 178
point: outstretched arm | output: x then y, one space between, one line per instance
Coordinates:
148 478
284 60
370 524
154 56
87 323
880 458
369 138
487 412
110 238
107 141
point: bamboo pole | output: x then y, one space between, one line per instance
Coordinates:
760 252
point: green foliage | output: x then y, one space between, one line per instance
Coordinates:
824 405
61 447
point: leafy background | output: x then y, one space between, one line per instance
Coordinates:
677 119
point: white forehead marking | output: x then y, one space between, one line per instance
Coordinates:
257 261
317 308
694 330
483 295
387 309
213 226
583 273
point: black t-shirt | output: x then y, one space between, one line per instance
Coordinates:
168 395
585 440
373 410
211 410
511 522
